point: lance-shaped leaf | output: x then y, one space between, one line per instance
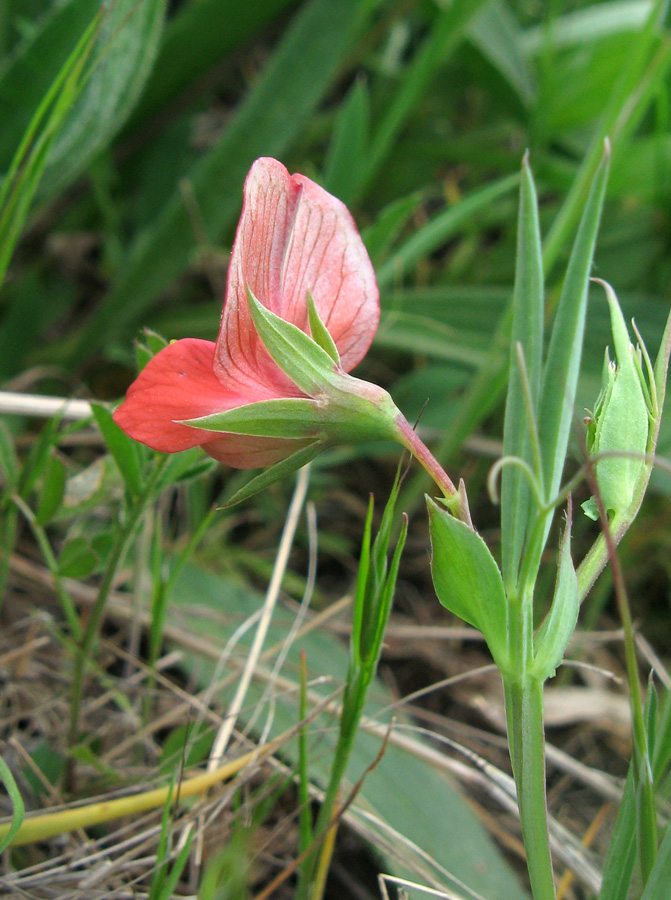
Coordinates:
560 376
519 435
467 579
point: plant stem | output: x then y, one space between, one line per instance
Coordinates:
646 807
524 714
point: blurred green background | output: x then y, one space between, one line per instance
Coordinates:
126 148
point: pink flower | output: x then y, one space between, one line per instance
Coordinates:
293 238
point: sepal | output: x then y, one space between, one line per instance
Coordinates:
320 333
285 418
298 356
551 639
276 472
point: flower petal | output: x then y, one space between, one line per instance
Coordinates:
327 257
178 383
241 451
293 237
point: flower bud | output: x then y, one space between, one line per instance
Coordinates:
621 421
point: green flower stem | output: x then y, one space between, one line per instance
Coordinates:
604 550
123 538
596 558
524 714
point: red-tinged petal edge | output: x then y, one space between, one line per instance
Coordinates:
242 451
327 257
293 237
178 383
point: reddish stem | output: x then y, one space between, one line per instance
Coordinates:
409 438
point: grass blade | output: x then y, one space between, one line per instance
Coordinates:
440 228
18 809
657 885
21 182
348 149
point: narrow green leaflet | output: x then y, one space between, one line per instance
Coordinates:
521 415
467 579
562 366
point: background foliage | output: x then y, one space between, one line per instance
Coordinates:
126 194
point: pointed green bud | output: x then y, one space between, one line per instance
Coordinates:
621 422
